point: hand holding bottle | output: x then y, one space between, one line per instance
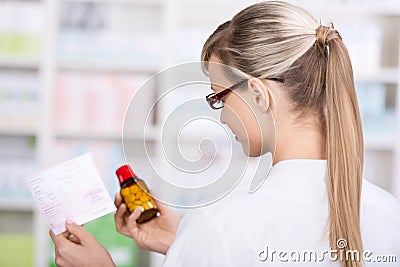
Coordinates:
155 235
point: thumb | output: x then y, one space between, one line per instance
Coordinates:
78 231
163 208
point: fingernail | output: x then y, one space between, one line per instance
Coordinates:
69 221
140 208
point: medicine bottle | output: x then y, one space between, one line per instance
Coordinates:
135 194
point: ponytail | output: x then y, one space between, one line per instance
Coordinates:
344 147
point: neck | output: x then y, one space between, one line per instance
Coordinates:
299 142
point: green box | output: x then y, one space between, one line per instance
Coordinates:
16 250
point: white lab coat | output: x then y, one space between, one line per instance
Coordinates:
289 213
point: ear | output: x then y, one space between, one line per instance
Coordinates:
261 94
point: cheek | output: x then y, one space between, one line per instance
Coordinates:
234 121
244 124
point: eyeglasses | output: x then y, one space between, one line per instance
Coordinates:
215 100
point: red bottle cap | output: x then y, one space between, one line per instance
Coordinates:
124 173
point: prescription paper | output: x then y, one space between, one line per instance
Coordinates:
71 190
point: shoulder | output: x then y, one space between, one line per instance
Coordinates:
380 219
199 241
378 199
204 236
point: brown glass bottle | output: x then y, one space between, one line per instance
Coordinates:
135 194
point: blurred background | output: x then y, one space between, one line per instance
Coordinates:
68 69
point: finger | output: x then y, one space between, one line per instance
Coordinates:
162 207
58 258
65 234
119 217
118 199
133 217
122 210
74 239
53 236
132 225
57 239
78 231
68 236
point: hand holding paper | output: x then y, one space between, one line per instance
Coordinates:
87 251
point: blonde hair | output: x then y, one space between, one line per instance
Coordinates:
277 39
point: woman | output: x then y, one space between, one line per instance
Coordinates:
314 208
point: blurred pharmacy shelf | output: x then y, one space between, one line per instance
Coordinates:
11 204
379 143
381 75
108 67
116 136
89 136
351 8
54 71
13 63
130 2
17 132
78 63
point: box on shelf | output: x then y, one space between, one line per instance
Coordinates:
21 28
17 160
110 33
16 250
378 116
363 41
19 100
96 102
